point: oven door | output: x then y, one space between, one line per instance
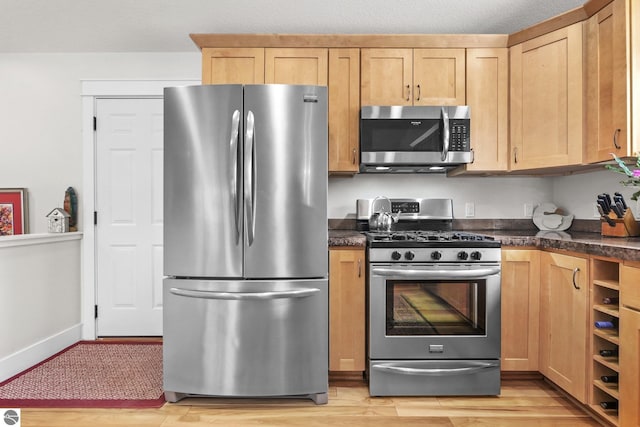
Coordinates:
431 311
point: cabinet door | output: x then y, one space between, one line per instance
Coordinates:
520 289
629 412
564 317
300 66
607 84
546 100
344 110
630 284
439 77
387 76
346 310
488 98
232 66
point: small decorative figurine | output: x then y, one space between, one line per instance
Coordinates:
71 207
58 221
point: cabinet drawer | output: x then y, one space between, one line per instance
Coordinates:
630 285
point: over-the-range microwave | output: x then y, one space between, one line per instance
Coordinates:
414 139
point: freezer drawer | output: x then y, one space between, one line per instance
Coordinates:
246 338
434 377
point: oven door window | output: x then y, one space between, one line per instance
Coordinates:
435 308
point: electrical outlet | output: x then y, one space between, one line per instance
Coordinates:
469 210
528 210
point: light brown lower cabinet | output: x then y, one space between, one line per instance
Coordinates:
520 290
347 309
564 318
629 358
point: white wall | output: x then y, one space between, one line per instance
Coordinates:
493 197
40 116
577 193
39 298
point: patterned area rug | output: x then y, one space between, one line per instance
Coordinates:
91 374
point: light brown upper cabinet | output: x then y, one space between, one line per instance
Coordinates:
259 65
232 66
607 78
546 100
488 99
301 66
413 77
344 110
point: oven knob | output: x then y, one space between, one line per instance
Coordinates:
409 255
476 255
395 255
436 255
463 255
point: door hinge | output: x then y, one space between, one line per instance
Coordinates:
95 311
95 123
95 218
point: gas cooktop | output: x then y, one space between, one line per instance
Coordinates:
428 238
425 223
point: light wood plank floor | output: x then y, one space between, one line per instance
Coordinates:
522 403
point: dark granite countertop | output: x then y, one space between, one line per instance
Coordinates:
347 238
627 249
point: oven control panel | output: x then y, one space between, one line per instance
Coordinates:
435 255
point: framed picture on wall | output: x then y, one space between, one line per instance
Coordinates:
13 211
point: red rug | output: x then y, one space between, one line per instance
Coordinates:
91 374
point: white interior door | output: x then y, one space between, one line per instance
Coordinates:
129 170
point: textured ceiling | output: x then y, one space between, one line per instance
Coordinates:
164 25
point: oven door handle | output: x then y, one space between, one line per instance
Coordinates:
478 273
468 368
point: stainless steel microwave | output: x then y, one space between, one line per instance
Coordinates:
414 139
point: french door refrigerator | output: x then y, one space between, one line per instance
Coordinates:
245 241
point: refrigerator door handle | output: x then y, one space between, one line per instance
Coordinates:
245 296
249 183
233 153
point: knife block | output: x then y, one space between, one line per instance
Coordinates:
623 227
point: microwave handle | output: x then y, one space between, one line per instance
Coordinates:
444 116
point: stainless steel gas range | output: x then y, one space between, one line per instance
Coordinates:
433 304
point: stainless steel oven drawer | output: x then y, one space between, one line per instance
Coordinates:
434 377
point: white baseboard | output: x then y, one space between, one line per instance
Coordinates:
35 353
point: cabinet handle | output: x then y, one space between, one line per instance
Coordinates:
359 267
353 158
419 93
575 273
408 92
515 155
615 138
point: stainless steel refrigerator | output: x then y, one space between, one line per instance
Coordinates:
245 241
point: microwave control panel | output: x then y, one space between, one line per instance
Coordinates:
459 135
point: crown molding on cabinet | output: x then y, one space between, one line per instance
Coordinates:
351 40
578 14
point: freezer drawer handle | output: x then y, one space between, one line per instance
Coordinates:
479 273
245 296
468 369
